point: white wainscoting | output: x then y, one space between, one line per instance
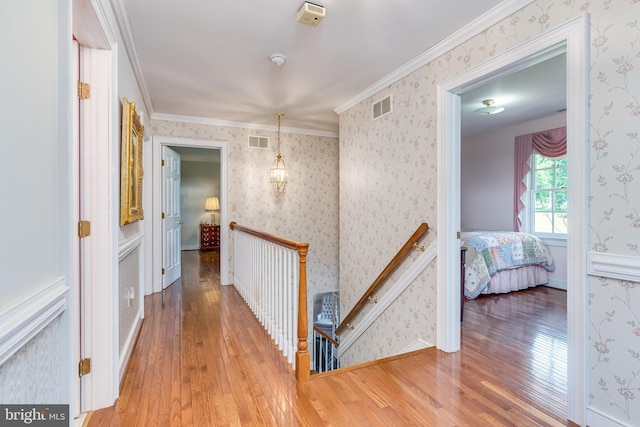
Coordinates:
130 310
24 319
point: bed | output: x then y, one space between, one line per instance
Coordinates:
504 261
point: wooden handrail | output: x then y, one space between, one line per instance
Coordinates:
291 244
402 254
303 358
324 335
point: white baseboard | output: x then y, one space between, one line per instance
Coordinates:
558 284
129 344
23 320
418 344
596 418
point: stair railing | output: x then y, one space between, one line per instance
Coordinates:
393 265
325 351
270 273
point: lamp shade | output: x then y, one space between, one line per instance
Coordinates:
212 204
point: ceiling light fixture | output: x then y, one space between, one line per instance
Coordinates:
488 109
278 59
278 173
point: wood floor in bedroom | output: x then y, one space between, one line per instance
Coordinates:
202 359
523 338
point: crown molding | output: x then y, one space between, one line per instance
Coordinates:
465 33
120 11
243 125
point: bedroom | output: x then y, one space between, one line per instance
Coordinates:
487 203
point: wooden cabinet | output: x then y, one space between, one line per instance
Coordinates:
209 237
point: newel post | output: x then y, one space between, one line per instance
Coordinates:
303 360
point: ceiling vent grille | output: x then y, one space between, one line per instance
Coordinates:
382 107
258 141
310 14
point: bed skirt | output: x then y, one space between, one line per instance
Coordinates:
515 279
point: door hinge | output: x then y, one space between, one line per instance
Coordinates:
84 90
458 235
162 215
162 162
163 271
84 367
84 228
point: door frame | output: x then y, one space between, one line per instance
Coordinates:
99 324
157 143
574 36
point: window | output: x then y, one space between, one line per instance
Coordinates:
548 212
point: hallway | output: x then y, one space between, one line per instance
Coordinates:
202 359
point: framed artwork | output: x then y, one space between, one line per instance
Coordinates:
131 172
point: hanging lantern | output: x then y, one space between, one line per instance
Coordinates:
278 172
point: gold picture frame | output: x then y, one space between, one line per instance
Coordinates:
131 171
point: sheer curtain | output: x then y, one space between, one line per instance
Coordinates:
549 143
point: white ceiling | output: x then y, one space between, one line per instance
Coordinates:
209 59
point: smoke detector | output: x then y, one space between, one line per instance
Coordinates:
311 14
278 59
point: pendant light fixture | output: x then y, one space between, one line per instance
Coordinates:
278 172
489 108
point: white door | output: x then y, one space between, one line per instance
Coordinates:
171 223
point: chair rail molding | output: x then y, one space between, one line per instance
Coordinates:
614 266
127 246
27 317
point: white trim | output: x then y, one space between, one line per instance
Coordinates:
127 246
120 12
490 18
129 345
243 125
418 344
560 242
558 284
406 279
574 34
24 319
597 418
156 207
623 267
98 326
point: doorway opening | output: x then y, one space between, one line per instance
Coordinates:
571 36
201 149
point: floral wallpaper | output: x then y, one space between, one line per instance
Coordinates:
388 181
307 211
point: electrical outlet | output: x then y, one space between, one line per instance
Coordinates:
132 295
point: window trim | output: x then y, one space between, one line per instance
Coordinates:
555 239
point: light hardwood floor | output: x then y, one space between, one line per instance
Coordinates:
202 359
